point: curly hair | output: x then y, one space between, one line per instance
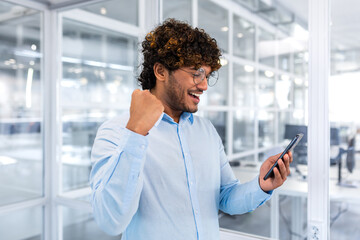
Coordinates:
176 44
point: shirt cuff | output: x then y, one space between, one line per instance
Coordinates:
136 144
260 194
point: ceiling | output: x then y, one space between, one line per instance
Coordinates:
345 18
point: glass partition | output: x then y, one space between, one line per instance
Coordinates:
214 19
121 10
21 102
244 38
22 224
344 118
80 224
244 86
99 75
178 9
266 87
266 47
243 132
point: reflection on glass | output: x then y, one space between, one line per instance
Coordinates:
283 90
214 20
79 224
97 84
266 46
266 129
122 10
256 222
21 165
217 94
244 38
243 131
178 9
244 85
300 63
266 86
284 62
298 94
288 117
22 224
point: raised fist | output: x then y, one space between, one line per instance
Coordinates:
145 110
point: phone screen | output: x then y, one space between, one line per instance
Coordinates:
289 147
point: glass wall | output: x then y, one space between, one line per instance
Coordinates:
21 163
96 86
79 224
21 119
344 85
262 88
99 68
22 224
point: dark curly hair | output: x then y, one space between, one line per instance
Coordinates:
176 44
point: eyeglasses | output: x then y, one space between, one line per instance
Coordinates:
200 74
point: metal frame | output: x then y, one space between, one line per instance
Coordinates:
52 126
30 4
319 127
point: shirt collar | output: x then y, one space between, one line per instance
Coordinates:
184 116
187 116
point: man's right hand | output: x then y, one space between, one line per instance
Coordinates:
145 110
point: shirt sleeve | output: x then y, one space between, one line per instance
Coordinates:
116 180
236 197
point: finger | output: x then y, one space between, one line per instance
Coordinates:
283 171
291 156
287 164
277 179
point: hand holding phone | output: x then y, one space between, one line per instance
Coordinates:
290 147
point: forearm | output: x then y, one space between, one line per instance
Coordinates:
236 198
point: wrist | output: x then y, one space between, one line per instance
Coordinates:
135 128
263 187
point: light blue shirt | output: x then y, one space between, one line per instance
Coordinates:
169 184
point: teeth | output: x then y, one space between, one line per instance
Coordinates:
195 94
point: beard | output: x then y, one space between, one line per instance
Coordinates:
176 96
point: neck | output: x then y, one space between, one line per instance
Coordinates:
174 114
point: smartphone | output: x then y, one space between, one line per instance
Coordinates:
290 147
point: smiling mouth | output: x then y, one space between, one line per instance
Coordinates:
195 96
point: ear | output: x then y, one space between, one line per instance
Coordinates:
160 71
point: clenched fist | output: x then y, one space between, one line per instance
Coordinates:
145 110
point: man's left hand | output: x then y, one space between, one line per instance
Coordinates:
280 174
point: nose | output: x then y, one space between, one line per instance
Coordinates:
203 85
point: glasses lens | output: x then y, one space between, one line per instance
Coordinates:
212 79
199 75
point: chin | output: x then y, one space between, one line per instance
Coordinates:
192 110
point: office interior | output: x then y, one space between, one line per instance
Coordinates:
67 66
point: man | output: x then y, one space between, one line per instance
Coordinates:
160 172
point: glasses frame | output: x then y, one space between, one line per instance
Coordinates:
200 73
